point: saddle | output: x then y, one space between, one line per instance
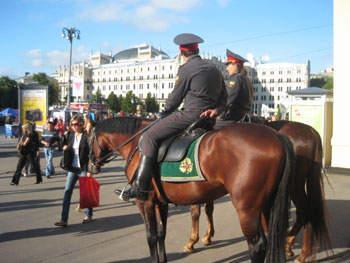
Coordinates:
175 148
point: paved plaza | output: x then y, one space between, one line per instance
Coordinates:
28 213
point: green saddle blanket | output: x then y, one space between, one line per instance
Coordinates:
187 169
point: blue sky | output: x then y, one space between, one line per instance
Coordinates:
287 31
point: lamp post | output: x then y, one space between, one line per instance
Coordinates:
69 34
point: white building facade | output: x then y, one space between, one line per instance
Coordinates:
271 82
143 69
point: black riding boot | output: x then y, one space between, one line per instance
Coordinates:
143 180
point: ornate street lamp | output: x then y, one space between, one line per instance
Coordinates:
69 34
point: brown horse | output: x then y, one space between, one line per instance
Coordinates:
310 205
251 162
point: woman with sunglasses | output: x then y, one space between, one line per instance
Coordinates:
78 142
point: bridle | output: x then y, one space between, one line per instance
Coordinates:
97 161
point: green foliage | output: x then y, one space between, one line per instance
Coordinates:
317 82
53 89
130 102
329 84
8 93
113 103
151 104
97 97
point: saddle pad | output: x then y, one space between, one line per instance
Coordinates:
187 169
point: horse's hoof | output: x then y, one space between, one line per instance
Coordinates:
188 250
300 259
206 241
289 252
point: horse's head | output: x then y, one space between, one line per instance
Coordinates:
98 153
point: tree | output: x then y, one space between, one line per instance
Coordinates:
8 93
113 103
151 104
317 82
97 97
53 88
329 84
129 102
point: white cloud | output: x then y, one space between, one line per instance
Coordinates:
176 5
55 58
154 15
33 53
223 3
37 62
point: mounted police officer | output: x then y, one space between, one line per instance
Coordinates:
200 84
239 90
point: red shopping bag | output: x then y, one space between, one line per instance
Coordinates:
89 192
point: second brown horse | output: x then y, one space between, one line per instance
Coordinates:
311 213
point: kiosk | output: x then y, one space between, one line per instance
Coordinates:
314 106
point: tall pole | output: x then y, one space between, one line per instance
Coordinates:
70 73
69 34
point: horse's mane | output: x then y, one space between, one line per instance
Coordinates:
126 125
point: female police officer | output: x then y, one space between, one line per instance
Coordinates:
200 84
239 91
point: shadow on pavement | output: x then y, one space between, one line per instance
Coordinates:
100 225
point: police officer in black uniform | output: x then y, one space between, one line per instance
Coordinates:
200 84
239 90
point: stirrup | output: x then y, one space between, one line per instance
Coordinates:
121 195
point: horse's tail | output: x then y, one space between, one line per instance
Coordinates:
278 221
318 215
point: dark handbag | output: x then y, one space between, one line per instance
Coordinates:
67 159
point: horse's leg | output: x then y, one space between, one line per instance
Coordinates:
253 231
148 213
195 213
162 217
209 209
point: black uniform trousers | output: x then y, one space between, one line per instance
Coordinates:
171 125
21 163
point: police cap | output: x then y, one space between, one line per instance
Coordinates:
188 41
234 58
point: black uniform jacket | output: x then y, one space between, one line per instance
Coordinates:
240 97
83 149
200 84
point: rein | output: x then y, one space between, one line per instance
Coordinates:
104 160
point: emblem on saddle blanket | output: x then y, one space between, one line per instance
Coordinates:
187 169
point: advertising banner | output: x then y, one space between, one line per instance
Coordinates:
78 87
308 114
33 102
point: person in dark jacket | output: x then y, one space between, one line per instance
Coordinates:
78 143
30 145
200 85
239 92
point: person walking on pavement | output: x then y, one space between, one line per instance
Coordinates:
27 152
78 143
59 127
239 92
200 84
50 140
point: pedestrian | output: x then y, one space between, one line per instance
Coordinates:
88 124
78 143
200 84
239 92
50 140
27 152
46 123
59 127
28 168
